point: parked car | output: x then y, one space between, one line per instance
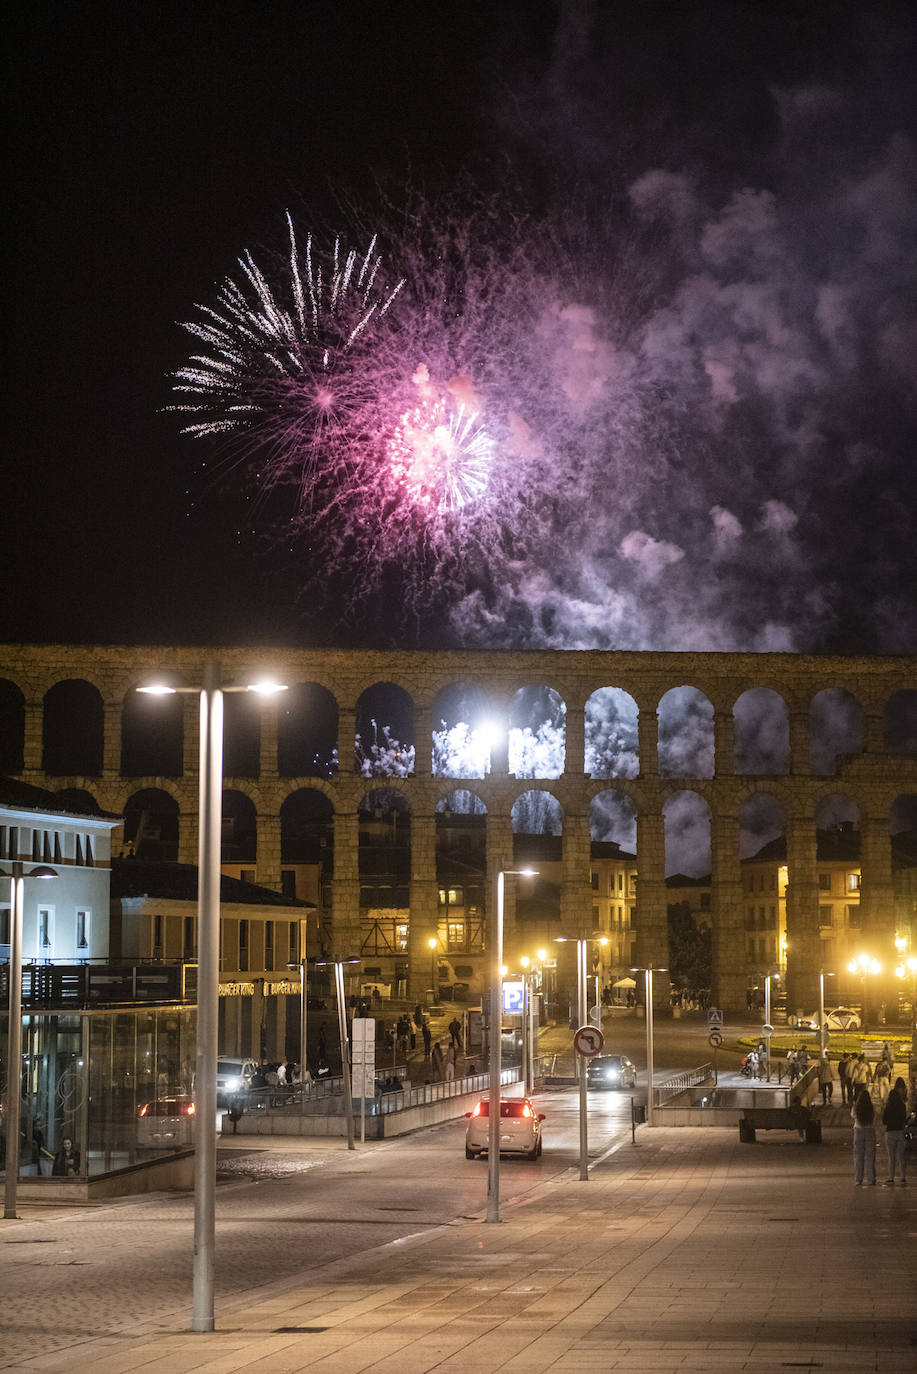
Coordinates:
610 1071
233 1076
520 1128
166 1123
836 1019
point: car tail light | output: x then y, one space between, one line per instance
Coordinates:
477 1110
188 1109
144 1109
527 1110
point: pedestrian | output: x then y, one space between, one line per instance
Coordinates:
449 1063
883 1078
843 1074
437 1062
859 1076
282 1073
825 1079
802 1059
893 1119
455 1030
427 1037
888 1054
66 1161
864 1138
792 1067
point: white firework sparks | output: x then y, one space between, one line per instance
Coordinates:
441 458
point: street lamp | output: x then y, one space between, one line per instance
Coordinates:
210 809
822 1028
768 1022
338 966
581 951
17 878
648 972
495 1047
303 1012
433 943
863 965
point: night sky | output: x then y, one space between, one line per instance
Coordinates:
686 303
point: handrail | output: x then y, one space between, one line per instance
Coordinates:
284 1095
680 1082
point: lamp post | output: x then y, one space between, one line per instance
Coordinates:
338 966
648 973
822 1028
495 1046
210 807
768 1023
17 877
433 943
581 954
303 1012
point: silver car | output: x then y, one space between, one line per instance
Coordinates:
611 1071
520 1128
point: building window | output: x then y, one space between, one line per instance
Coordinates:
157 937
189 937
293 955
247 875
243 946
705 901
4 925
595 881
824 882
853 917
451 896
269 944
90 860
853 882
455 935
825 915
288 882
45 932
82 932
596 918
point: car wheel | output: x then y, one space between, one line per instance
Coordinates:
533 1153
540 1143
470 1154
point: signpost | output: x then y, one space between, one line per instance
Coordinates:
714 1039
588 1040
363 1047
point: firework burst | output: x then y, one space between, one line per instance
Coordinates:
285 366
440 457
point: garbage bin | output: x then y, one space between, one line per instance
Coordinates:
638 1110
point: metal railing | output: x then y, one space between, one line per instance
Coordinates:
680 1082
283 1096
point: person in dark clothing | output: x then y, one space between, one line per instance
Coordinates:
894 1116
843 1073
864 1138
455 1030
427 1038
66 1161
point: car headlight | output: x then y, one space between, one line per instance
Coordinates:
233 1084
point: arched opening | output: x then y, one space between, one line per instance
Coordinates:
151 825
762 733
688 878
72 730
384 818
307 731
12 727
242 734
903 828
538 824
762 848
687 835
613 867
463 732
611 734
461 877
537 733
239 841
901 724
685 734
836 726
384 743
152 730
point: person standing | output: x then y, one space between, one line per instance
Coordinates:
843 1073
864 1138
66 1161
437 1062
893 1119
883 1078
825 1079
427 1037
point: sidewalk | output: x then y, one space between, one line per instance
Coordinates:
687 1251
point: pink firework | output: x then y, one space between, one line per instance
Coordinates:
440 457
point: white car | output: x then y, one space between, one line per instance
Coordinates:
233 1076
166 1123
520 1128
836 1019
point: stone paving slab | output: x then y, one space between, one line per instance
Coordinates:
702 1255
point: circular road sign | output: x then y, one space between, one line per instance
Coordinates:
715 1039
588 1040
767 1029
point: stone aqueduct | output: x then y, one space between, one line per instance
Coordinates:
873 779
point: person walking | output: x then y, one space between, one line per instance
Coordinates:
843 1074
883 1079
894 1116
437 1062
864 1138
825 1079
427 1038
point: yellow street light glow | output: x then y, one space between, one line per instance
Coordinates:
267 688
432 942
542 954
158 689
525 961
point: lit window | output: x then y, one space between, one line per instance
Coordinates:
45 931
853 882
82 930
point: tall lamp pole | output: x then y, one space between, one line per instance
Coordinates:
495 1045
648 974
210 811
822 1028
17 877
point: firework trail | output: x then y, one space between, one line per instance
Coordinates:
286 367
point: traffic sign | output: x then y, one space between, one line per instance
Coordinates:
767 1030
715 1039
588 1040
714 1018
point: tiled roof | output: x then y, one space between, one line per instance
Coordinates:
24 797
178 882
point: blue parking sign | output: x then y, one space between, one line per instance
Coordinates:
514 997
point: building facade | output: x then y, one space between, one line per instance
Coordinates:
761 719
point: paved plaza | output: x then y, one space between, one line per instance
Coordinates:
688 1251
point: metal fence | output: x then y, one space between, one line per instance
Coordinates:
680 1082
385 1101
